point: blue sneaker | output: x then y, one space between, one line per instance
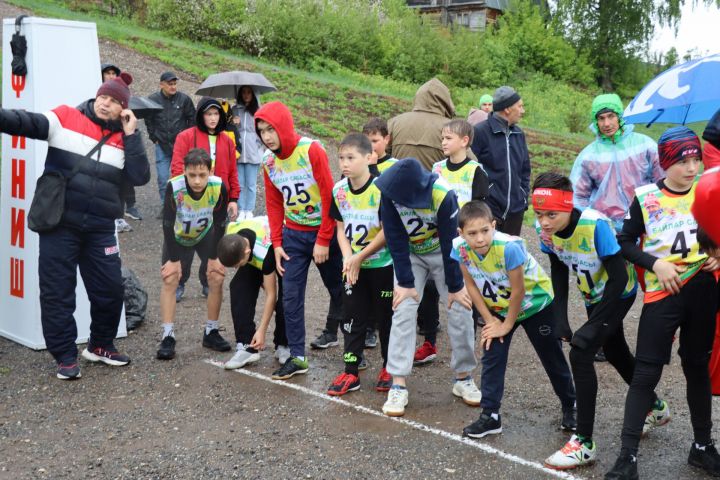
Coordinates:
68 370
179 293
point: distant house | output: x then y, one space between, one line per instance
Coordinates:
472 14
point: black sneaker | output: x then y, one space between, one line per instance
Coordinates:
108 355
600 356
370 339
167 348
363 365
485 425
293 366
214 341
205 291
625 468
705 457
70 370
569 420
325 340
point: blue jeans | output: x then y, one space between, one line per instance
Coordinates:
247 177
162 165
298 245
540 331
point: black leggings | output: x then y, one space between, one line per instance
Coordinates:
244 291
607 333
371 296
640 399
693 312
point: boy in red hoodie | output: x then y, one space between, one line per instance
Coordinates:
298 195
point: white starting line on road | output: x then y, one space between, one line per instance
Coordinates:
410 423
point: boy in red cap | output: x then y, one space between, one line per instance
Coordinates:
677 279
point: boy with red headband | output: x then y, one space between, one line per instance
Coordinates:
585 242
677 279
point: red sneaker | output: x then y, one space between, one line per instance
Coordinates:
384 381
425 354
344 383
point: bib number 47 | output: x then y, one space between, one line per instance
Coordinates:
680 244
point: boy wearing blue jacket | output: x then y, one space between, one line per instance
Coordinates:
419 214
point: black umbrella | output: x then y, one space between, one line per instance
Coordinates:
227 84
143 107
18 45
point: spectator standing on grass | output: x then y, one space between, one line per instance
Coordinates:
127 192
177 114
208 134
500 146
416 134
480 115
251 150
85 236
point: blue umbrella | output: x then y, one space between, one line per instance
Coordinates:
683 94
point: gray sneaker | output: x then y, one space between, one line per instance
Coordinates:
241 358
325 340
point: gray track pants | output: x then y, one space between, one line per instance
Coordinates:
460 322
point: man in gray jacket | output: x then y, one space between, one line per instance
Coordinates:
178 114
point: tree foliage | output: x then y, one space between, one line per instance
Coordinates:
616 33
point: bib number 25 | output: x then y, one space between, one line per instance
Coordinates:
301 195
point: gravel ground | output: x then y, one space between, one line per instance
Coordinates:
189 419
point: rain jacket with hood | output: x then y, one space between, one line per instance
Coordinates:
280 118
711 151
607 172
503 152
197 137
418 134
408 184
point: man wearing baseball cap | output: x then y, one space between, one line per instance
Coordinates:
177 114
85 234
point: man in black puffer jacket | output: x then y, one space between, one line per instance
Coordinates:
85 236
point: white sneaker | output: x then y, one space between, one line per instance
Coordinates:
282 353
241 358
468 391
249 214
122 226
574 454
396 402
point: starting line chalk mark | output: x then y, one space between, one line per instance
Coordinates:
410 423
